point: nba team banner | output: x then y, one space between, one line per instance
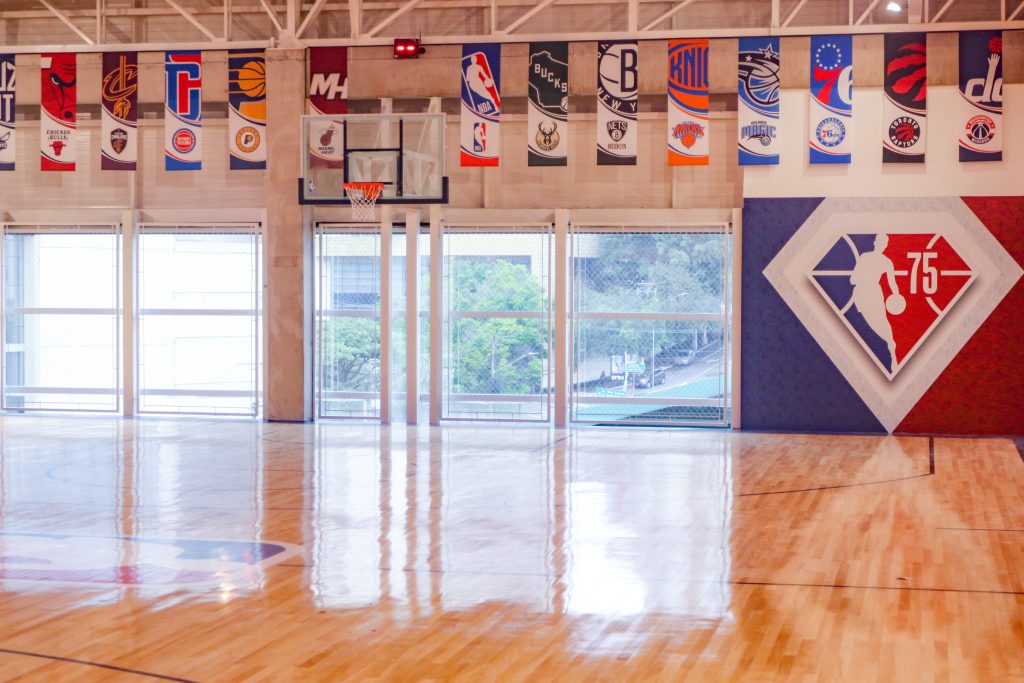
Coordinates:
247 109
6 112
758 110
183 115
548 115
831 99
688 102
58 111
981 85
119 111
617 86
479 139
906 98
327 91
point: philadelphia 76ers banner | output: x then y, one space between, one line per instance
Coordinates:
6 112
547 127
617 87
831 99
183 115
58 111
758 110
688 102
981 87
247 109
119 111
479 140
906 98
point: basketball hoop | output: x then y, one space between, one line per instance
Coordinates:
364 198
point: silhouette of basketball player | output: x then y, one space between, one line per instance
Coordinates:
480 82
868 296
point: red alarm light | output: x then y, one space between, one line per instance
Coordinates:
408 48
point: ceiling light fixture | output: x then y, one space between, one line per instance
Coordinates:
894 7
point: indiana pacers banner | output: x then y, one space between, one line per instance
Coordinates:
758 110
906 98
6 112
183 115
119 111
547 127
327 93
617 86
688 102
831 99
247 109
981 85
479 139
58 117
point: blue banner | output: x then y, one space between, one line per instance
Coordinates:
183 114
247 109
7 90
831 109
758 111
480 142
981 90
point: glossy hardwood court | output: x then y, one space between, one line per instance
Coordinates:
223 551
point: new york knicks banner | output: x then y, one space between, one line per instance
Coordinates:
479 139
547 125
58 111
758 110
183 115
617 86
119 111
6 112
906 98
981 87
831 99
688 102
247 109
327 91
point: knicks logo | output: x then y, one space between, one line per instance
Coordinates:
688 133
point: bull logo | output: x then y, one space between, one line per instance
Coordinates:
58 147
617 129
547 138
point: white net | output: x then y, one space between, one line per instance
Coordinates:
364 198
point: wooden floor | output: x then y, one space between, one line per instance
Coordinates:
223 551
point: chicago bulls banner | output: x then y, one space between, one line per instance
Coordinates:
906 98
981 87
327 93
688 102
247 109
58 111
758 110
831 99
617 87
479 139
6 112
547 127
119 111
183 115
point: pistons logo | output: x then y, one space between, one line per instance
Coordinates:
184 140
688 133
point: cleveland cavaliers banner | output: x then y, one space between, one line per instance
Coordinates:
831 99
981 87
758 110
58 111
905 105
547 127
327 93
617 86
7 112
119 111
688 102
247 109
479 138
183 115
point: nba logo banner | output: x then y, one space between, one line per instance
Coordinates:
327 93
758 109
119 111
481 105
688 105
247 109
981 85
58 111
548 116
906 98
617 87
183 116
6 112
831 99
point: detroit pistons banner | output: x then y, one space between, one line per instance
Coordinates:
617 87
758 109
7 112
247 109
547 127
58 111
183 115
479 139
831 99
906 98
688 102
981 88
119 111
327 93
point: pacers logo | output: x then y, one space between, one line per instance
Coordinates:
247 139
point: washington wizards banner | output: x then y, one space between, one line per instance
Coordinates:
831 99
758 110
119 111
247 109
906 98
480 140
688 102
6 112
327 92
617 87
59 111
547 125
183 115
981 85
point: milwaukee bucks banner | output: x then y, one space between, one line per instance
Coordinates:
183 115
547 127
617 86
479 139
247 109
906 98
688 102
981 87
58 117
831 99
758 110
119 111
6 112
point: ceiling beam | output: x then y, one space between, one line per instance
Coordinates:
310 17
528 15
670 13
1016 12
792 15
191 19
67 22
942 10
272 14
867 13
393 17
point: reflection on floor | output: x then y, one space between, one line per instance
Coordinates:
221 551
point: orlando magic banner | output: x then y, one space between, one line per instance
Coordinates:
327 90
119 111
688 102
758 110
547 125
906 98
247 109
617 87
831 99
59 111
183 115
981 87
7 112
479 139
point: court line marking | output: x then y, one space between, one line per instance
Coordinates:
962 528
99 665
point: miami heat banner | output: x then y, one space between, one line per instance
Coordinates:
617 86
7 112
58 111
688 102
906 98
547 125
479 139
981 87
327 93
758 110
247 109
831 99
183 115
119 111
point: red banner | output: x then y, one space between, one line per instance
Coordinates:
59 111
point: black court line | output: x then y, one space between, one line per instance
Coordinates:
98 665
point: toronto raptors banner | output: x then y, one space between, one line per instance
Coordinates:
688 102
981 87
247 109
831 99
479 138
758 110
906 98
617 86
119 112
6 112
327 90
547 126
58 111
183 115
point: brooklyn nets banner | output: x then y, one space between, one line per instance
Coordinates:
758 111
981 87
247 109
119 111
617 86
547 125
831 99
58 111
688 102
7 112
479 139
906 98
327 93
183 115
